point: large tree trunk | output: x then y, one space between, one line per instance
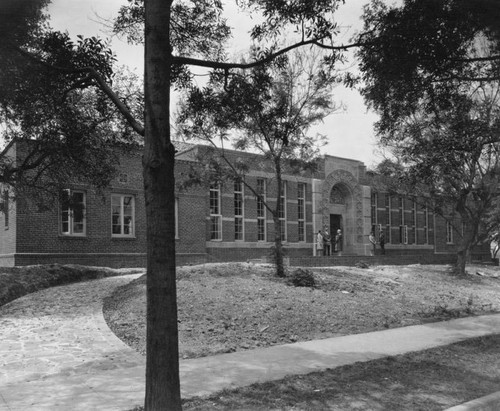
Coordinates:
162 351
278 247
462 255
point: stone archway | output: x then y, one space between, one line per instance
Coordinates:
342 195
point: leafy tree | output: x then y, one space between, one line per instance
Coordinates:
66 130
174 38
423 51
431 69
452 161
268 110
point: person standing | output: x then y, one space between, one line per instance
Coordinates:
381 241
338 240
371 237
327 243
319 243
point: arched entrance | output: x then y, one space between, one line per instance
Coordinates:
339 201
342 208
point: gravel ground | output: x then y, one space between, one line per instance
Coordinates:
238 306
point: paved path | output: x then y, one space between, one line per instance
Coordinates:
56 353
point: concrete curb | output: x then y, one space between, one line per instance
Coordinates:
488 403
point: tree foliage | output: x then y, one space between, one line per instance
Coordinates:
431 69
52 104
425 50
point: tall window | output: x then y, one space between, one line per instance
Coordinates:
122 215
301 211
426 224
282 213
414 221
238 210
388 208
449 232
403 230
73 220
374 201
215 213
261 210
6 205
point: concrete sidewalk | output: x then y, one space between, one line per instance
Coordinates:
110 375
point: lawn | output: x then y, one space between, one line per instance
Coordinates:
230 307
429 380
240 306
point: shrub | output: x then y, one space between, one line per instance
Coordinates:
302 278
362 264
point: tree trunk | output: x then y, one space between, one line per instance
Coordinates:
278 247
461 262
162 351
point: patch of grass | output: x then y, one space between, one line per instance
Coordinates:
18 281
432 380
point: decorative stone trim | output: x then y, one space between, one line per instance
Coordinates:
346 179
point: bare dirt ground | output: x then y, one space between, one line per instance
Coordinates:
239 306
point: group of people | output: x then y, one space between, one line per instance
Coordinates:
326 245
381 241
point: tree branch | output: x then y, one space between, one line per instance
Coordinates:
226 66
138 127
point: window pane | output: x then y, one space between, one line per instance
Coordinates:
215 228
72 212
261 233
127 225
115 221
238 228
301 231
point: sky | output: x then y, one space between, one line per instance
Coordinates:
350 133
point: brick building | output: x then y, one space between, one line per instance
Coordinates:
223 222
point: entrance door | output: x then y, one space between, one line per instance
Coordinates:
335 224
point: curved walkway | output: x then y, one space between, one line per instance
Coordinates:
57 353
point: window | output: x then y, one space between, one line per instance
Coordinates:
238 210
301 211
73 219
403 239
215 213
426 224
388 206
414 221
374 201
282 211
122 215
6 205
261 209
403 234
449 233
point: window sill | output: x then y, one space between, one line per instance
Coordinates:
73 236
119 238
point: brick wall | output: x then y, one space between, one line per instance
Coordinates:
40 231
